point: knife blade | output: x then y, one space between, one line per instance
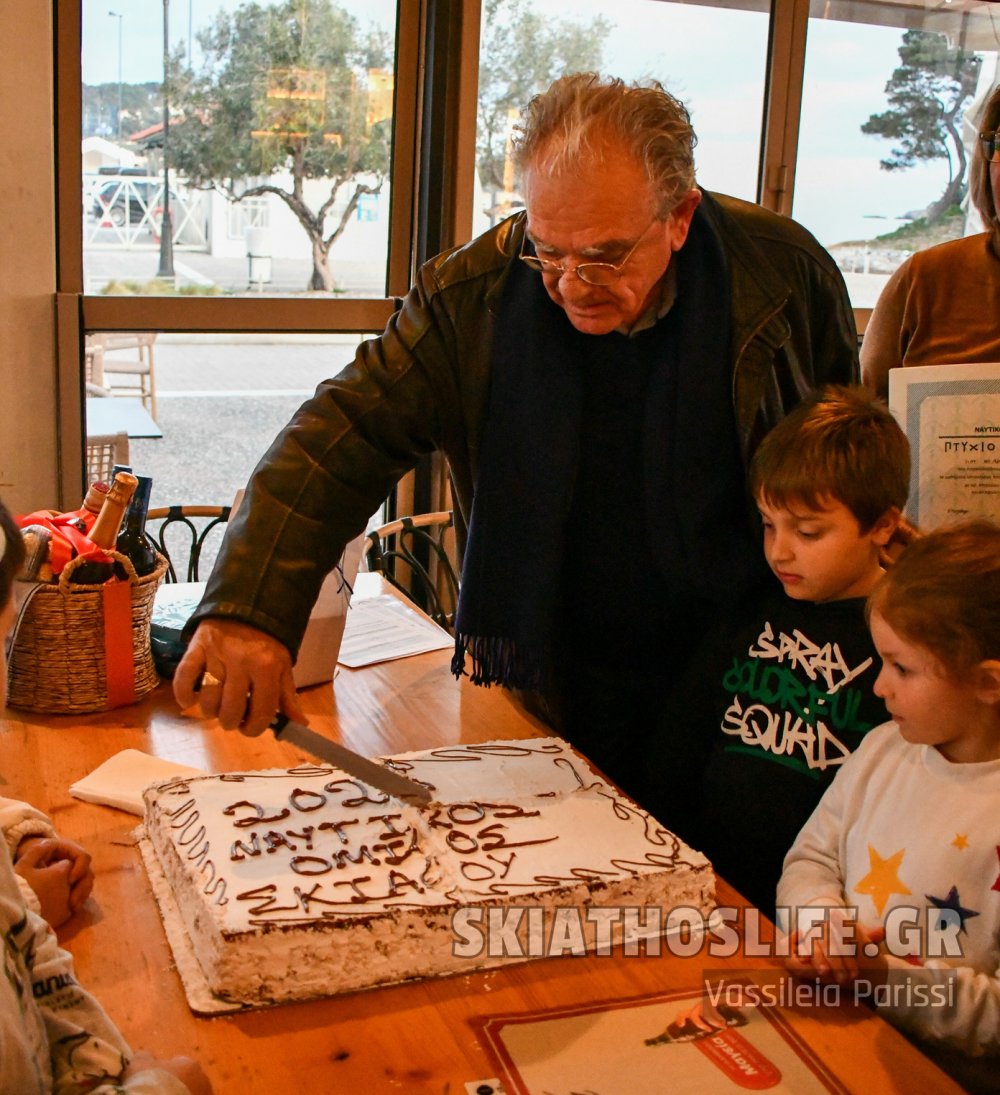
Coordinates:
376 775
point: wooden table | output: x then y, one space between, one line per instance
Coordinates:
413 1038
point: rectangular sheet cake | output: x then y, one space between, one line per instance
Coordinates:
302 883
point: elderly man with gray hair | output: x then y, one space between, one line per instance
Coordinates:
597 370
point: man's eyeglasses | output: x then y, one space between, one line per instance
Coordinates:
991 146
593 273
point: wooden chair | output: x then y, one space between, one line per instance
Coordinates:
187 528
103 352
416 555
103 452
93 359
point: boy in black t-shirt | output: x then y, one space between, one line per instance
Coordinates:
781 693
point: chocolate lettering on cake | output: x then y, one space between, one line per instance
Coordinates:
362 794
306 800
259 815
193 838
484 838
338 826
267 896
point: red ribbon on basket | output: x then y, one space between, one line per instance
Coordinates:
68 540
119 664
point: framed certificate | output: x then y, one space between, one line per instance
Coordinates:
951 415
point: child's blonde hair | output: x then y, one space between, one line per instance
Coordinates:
943 594
11 554
839 444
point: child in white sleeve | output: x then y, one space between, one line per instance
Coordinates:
55 1038
54 873
900 862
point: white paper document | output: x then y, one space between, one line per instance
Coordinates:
951 416
382 628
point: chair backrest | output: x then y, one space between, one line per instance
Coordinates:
416 555
103 452
111 341
186 528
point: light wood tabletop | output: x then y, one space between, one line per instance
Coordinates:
420 1037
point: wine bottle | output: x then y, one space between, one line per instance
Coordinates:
105 531
133 542
83 519
96 493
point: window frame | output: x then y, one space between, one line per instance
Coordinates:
79 313
433 165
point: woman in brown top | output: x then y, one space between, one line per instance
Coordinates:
942 306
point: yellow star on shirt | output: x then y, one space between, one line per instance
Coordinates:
961 842
882 881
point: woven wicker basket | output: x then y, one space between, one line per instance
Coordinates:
57 658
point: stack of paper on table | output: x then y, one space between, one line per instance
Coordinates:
383 627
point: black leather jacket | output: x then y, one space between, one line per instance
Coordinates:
423 384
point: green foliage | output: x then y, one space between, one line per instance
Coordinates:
927 96
921 232
283 88
522 53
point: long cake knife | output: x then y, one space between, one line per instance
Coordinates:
385 779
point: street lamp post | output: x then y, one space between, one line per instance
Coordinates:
118 120
166 269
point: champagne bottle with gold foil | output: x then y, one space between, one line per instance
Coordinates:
104 534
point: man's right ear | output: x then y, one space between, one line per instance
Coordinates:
680 218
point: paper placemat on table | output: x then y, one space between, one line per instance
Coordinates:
121 779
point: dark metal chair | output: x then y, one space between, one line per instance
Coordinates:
415 555
186 528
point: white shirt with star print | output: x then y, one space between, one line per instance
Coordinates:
912 842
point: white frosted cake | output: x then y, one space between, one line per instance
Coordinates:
301 883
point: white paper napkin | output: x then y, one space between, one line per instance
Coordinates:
121 779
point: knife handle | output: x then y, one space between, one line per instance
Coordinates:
278 723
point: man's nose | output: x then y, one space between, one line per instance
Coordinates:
571 284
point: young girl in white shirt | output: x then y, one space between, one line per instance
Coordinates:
892 888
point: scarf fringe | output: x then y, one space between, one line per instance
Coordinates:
495 660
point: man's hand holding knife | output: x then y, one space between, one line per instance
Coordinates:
239 675
251 689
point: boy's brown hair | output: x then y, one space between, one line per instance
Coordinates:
838 445
11 554
943 593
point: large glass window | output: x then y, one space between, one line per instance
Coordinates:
888 128
267 149
711 57
200 410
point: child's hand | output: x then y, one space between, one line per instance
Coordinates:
59 872
837 949
184 1068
